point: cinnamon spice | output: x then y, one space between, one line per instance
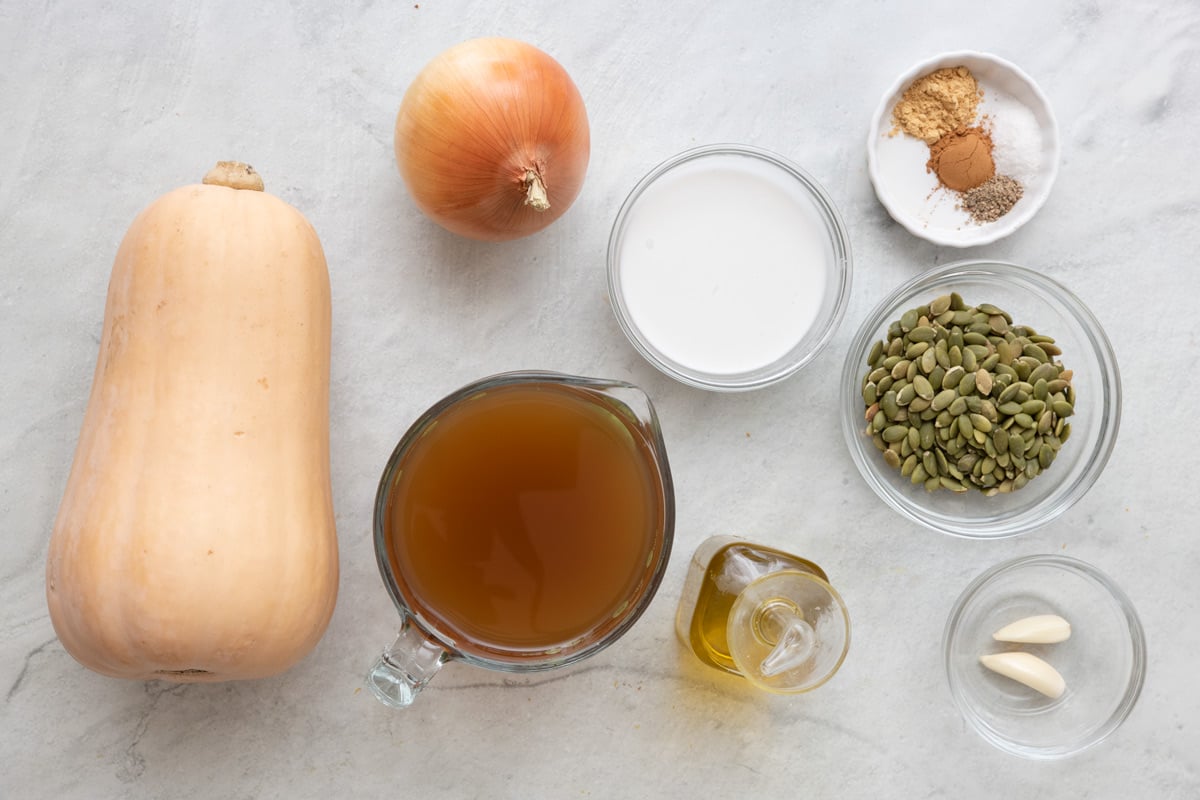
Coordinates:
962 159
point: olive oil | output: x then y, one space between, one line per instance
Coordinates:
721 568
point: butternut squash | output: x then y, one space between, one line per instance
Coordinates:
195 540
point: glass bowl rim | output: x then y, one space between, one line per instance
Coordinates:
842 268
1100 347
1137 676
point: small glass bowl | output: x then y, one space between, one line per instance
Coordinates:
836 253
1103 662
1044 305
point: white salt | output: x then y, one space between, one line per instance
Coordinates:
1016 137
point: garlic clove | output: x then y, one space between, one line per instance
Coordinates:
1040 629
1027 669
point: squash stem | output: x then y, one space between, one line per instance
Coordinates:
235 175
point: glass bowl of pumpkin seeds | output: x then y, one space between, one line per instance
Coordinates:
981 399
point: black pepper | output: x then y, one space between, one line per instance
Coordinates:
992 199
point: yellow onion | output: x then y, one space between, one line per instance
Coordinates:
492 139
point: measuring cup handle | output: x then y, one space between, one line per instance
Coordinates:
399 675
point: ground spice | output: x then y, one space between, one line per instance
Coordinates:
936 104
992 199
962 159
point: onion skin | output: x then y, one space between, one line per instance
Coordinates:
482 122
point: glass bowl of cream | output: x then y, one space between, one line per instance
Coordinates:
729 267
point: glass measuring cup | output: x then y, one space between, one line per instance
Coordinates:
521 524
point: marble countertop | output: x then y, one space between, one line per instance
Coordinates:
106 106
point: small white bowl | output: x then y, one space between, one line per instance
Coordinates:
912 195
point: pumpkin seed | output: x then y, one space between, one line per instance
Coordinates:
940 305
983 380
1062 408
928 360
944 399
929 462
980 422
969 361
958 396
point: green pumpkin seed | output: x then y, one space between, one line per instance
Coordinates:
944 399
1033 351
922 333
892 458
964 427
928 435
918 405
918 475
910 463
1033 407
906 395
1046 372
966 386
876 351
1062 408
928 360
1000 437
929 461
969 361
940 306
923 387
889 405
894 433
980 423
983 381
908 320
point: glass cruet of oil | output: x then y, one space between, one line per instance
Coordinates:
764 614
